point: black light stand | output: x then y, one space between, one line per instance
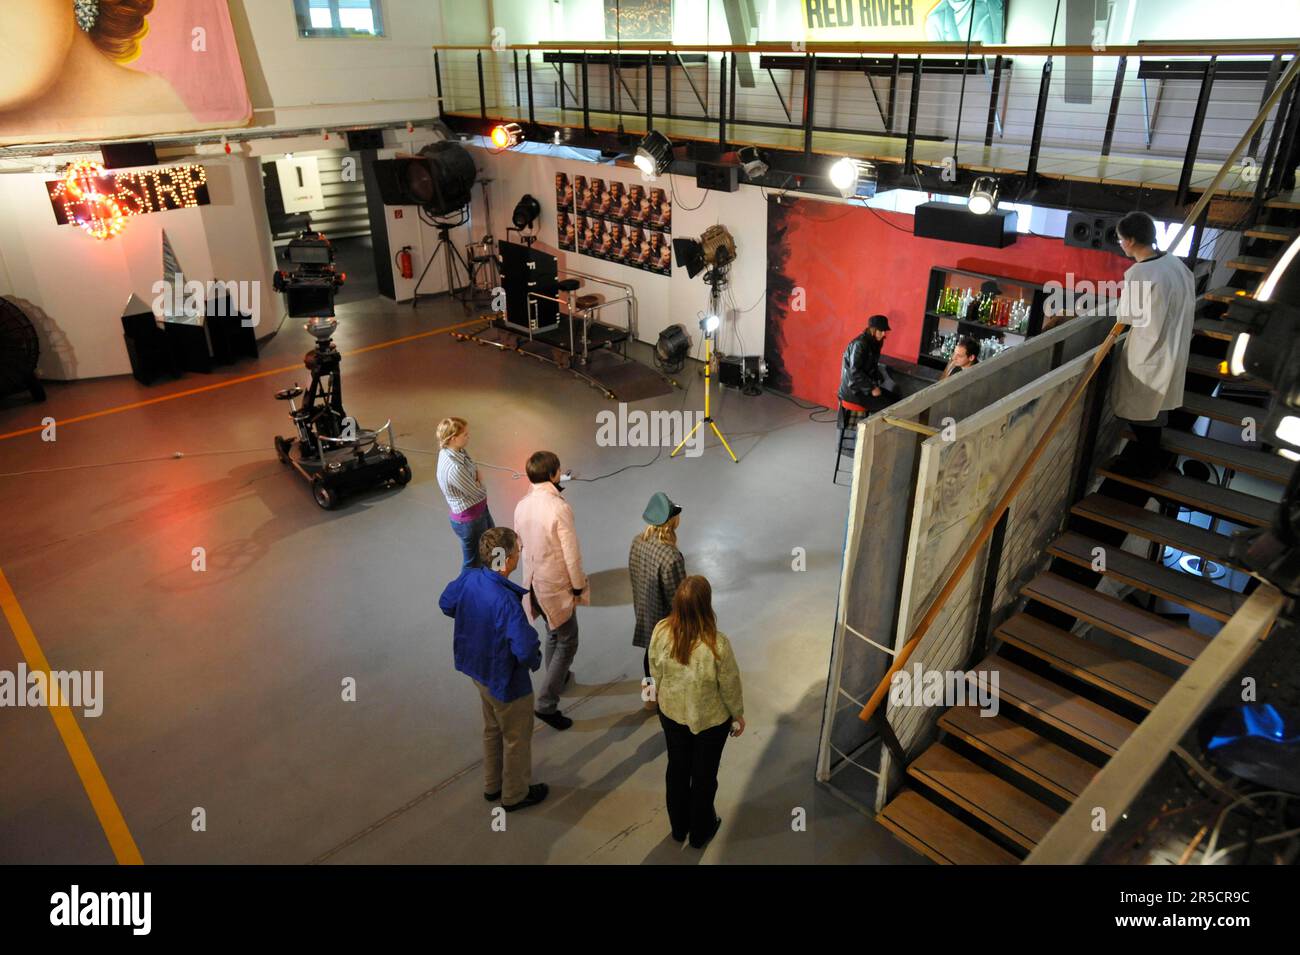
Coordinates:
451 256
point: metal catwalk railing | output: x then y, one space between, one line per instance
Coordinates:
1171 111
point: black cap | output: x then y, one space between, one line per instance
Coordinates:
879 322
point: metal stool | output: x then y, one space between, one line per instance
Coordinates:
847 417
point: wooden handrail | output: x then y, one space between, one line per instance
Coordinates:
1157 48
986 529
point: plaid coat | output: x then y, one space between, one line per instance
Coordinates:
656 569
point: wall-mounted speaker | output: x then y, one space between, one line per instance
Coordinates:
125 155
724 177
1092 230
359 139
953 222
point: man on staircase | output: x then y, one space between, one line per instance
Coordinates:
1158 303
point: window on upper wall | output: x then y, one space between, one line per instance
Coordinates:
346 18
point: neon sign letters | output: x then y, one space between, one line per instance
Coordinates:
101 203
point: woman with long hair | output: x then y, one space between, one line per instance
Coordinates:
656 567
700 704
462 486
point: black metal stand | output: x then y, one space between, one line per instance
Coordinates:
451 256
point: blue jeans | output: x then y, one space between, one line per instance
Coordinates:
469 533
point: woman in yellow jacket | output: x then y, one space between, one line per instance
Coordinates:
700 704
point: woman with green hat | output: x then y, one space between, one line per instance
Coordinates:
657 568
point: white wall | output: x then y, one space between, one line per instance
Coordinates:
662 300
80 285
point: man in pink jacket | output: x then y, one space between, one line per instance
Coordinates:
554 577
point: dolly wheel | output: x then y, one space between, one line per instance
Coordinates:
282 449
403 476
324 496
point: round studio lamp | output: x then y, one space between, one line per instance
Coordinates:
751 160
442 183
507 135
653 154
672 348
844 176
983 196
718 246
527 209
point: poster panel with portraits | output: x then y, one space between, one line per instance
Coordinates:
623 222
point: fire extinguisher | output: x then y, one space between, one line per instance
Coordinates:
404 262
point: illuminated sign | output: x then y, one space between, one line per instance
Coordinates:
101 202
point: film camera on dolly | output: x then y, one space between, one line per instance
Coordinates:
330 450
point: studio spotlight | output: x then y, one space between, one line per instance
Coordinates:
983 196
527 209
654 154
507 135
751 160
671 349
853 177
714 248
709 324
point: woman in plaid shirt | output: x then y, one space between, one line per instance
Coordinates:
656 567
462 487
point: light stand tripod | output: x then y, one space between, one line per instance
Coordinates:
451 256
717 278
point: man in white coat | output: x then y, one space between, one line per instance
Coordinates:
1158 302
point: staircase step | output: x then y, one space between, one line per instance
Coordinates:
1155 526
1020 749
1251 263
1200 495
1194 593
1222 409
1238 457
1059 707
994 801
1086 661
1220 328
1284 200
1225 294
938 835
1216 368
1118 617
1273 233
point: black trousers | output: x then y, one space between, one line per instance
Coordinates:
692 778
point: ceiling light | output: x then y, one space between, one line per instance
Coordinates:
983 196
654 154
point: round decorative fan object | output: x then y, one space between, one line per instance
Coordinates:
19 351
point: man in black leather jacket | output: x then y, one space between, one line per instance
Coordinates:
862 381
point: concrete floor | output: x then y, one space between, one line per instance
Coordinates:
222 688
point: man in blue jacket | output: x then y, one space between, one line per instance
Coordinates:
496 647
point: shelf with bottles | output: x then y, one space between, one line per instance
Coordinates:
1000 311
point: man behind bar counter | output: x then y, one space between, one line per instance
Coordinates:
862 381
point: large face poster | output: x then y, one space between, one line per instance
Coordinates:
627 223
638 19
934 21
106 69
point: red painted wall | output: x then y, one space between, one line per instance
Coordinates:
852 262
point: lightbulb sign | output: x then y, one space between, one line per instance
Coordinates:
101 203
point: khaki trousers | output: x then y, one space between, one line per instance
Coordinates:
507 745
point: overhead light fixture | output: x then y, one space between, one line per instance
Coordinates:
527 210
853 177
714 248
507 135
983 196
751 160
654 154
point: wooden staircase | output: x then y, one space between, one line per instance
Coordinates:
1077 669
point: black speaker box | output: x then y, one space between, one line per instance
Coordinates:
359 139
122 155
955 223
1092 230
723 177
